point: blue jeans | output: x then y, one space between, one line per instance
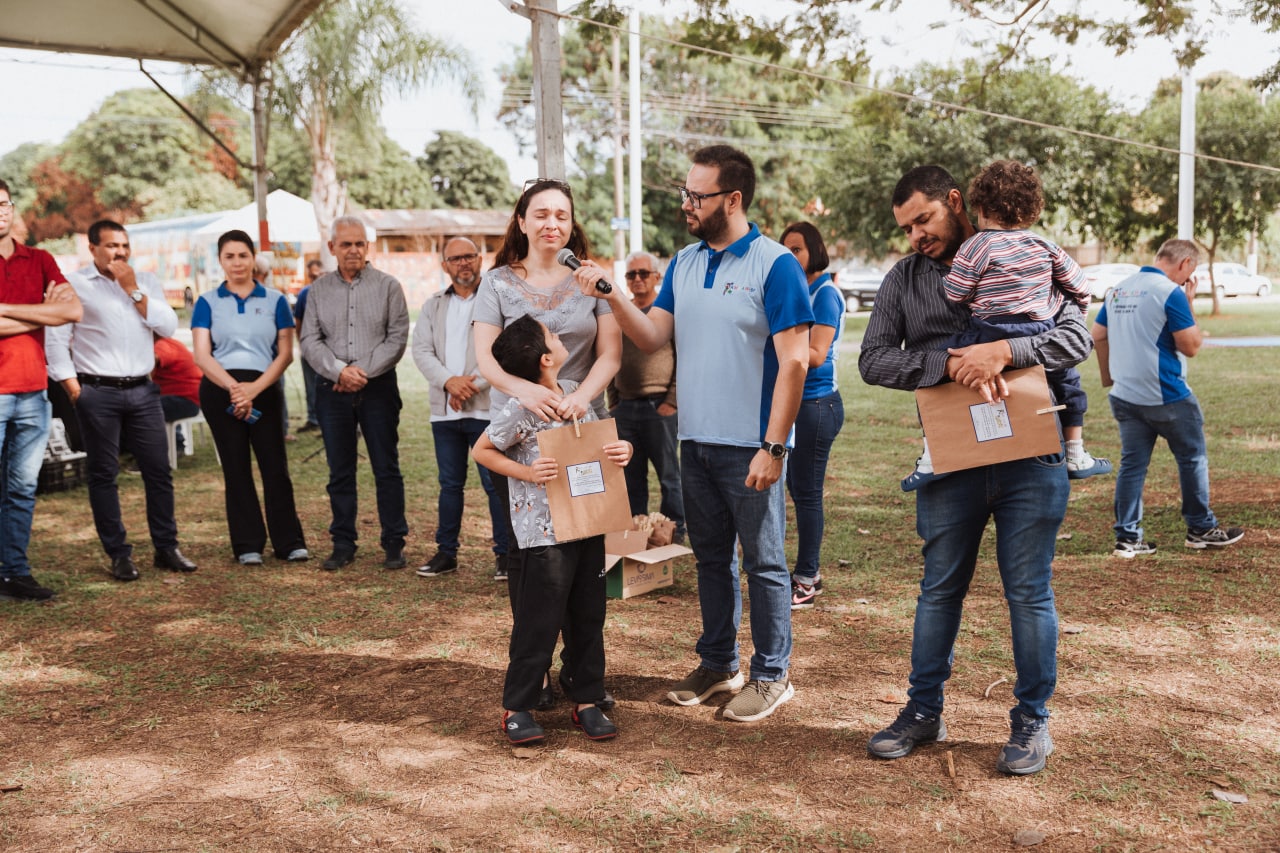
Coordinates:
1028 499
723 511
453 443
654 438
817 425
375 410
1182 426
24 432
115 419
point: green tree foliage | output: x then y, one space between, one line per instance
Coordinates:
1232 122
16 168
1086 184
137 142
466 173
784 120
381 174
333 75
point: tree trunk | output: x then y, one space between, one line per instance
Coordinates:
328 195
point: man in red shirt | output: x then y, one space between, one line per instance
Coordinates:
179 380
33 294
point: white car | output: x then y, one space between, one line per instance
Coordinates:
1102 277
859 284
1231 280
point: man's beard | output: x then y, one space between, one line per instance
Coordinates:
712 228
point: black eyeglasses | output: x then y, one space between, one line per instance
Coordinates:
688 195
468 258
643 275
550 184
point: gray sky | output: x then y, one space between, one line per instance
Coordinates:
47 94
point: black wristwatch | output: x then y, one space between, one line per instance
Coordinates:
774 449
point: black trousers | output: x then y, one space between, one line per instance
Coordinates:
235 440
557 585
115 419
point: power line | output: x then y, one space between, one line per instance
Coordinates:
933 102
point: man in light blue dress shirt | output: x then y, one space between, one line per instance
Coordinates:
104 362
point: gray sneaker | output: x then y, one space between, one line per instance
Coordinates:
698 685
1215 537
1028 747
758 700
1128 550
905 733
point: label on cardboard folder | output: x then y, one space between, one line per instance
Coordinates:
585 479
991 421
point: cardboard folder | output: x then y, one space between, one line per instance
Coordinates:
964 431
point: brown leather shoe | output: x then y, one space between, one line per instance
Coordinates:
174 561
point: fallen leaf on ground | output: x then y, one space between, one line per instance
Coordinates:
1073 629
1064 536
1229 797
889 699
843 563
668 599
1028 837
525 752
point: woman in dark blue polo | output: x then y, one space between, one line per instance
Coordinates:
821 412
243 339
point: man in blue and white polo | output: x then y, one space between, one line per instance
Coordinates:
737 305
1143 335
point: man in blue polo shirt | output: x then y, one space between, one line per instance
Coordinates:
737 305
1144 334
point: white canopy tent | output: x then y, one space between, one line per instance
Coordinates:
238 36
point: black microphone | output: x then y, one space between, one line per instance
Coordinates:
564 256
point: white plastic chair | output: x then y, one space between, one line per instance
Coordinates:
187 425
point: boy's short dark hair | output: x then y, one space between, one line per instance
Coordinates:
519 348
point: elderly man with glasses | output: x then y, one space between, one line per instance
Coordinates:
444 351
642 399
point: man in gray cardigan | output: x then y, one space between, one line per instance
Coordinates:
459 396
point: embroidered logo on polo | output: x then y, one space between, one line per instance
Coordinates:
734 287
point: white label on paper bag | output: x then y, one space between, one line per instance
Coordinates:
585 479
991 421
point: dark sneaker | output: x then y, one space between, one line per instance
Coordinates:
605 703
758 700
1215 538
123 569
343 555
1028 747
394 559
500 568
906 733
702 683
594 723
521 728
1129 550
173 560
24 588
440 564
803 594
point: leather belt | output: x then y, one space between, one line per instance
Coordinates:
112 381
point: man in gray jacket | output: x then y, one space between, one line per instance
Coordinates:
459 395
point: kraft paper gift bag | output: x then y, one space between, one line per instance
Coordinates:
964 431
588 497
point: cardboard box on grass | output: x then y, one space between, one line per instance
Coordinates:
633 567
965 432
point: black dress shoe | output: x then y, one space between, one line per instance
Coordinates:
174 561
342 556
123 569
394 559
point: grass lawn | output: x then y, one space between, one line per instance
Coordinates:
282 708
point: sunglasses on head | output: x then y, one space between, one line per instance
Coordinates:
541 184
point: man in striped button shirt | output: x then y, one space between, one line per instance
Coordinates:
1027 498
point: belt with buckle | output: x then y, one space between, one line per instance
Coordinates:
112 381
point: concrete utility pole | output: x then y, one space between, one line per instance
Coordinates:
547 103
619 199
1187 160
637 141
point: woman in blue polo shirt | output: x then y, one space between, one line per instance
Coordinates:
243 339
821 411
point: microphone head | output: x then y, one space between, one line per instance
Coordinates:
566 258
